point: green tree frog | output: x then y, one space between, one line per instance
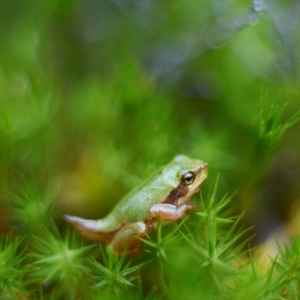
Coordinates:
165 195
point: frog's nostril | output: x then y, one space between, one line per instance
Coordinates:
204 166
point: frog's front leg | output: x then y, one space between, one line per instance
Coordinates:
128 238
170 211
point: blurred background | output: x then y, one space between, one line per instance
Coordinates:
96 95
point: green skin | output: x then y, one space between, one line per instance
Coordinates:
164 195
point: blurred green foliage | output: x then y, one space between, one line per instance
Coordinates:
96 95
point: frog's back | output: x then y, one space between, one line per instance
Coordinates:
135 206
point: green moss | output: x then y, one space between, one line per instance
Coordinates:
95 96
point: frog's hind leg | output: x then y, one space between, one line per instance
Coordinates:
127 238
89 229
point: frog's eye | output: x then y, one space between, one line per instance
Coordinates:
187 178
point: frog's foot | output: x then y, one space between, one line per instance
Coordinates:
170 211
127 238
192 207
88 229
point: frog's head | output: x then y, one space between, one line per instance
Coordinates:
188 174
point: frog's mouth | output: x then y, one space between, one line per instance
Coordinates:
203 170
198 187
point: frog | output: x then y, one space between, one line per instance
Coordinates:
164 196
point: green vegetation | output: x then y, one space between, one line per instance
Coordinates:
95 96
